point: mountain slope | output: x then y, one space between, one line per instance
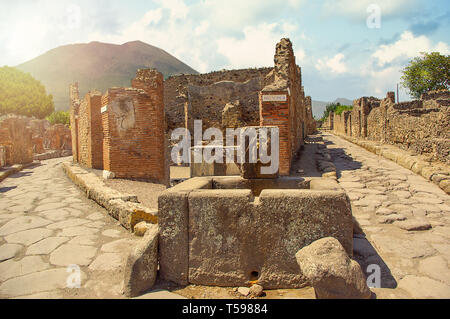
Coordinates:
319 107
98 66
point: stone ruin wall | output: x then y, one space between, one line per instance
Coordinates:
421 126
283 104
21 137
16 139
202 93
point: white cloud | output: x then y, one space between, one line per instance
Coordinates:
256 48
408 46
334 64
358 9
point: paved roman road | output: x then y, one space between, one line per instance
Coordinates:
396 209
46 225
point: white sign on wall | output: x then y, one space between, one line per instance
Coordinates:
274 98
104 109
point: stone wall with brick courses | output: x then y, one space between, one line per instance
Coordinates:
421 126
74 110
176 93
134 129
58 137
16 137
90 131
291 115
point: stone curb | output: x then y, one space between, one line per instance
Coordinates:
13 170
123 207
439 175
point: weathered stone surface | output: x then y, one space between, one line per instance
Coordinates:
46 280
111 233
424 288
391 218
46 246
435 267
142 264
117 246
413 225
87 240
22 223
410 247
70 254
72 222
331 272
77 231
28 237
26 265
223 252
8 251
107 261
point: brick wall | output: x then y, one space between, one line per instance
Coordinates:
134 129
90 132
283 104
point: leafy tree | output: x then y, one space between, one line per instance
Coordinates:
428 72
21 94
60 117
337 108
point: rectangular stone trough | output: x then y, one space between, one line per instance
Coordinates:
229 231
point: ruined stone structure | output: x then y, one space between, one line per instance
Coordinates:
282 104
16 139
204 96
422 126
230 231
123 131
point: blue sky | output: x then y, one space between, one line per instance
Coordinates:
339 54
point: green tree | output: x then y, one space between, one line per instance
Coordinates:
21 94
428 72
60 117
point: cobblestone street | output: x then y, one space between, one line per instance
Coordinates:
46 225
405 218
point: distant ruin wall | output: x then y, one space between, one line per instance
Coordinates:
16 138
421 126
178 88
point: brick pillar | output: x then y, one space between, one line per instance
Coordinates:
274 111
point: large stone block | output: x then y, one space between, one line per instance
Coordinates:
234 240
331 272
142 264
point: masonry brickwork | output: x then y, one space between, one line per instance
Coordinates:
134 129
283 104
421 126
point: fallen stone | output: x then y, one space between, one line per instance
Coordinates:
244 291
256 291
141 228
142 264
413 225
331 272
